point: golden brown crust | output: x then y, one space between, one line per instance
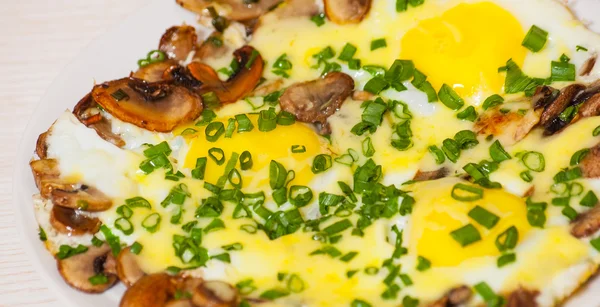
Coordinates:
76 270
72 222
81 198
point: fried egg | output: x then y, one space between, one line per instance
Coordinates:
347 254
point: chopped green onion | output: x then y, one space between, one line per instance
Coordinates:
224 257
452 149
562 71
516 81
267 120
136 248
568 175
300 196
580 48
285 118
578 156
466 139
337 227
589 200
349 256
378 43
409 301
200 169
376 85
534 161
526 176
246 160
318 19
367 147
124 211
437 154
214 131
251 229
119 95
298 148
347 52
43 237
138 202
401 5
569 212
466 235
535 39
450 98
371 270
423 264
161 148
235 179
295 284
467 114
492 101
463 192
358 302
274 294
596 243
151 222
228 169
208 116
244 123
217 155
230 128
321 163
483 217
536 215
498 153
214 225
98 279
508 239
354 64
211 101
66 251
561 201
277 175
113 241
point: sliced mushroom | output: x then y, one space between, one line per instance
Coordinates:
522 298
314 101
215 294
152 106
77 270
591 107
267 88
128 270
44 170
241 83
212 47
550 118
73 222
510 127
362 95
588 65
154 72
81 198
455 297
296 8
590 164
179 303
346 11
237 10
586 223
88 114
431 175
153 290
41 147
178 42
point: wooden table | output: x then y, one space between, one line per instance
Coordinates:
38 38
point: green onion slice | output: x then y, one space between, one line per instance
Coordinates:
214 131
535 39
450 98
498 153
246 160
300 196
466 235
534 161
217 155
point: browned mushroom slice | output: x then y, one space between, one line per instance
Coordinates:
362 95
454 297
212 47
153 290
296 8
346 11
72 222
128 270
241 83
179 303
522 298
267 88
591 107
510 127
44 170
178 42
154 72
314 101
215 294
237 10
88 114
586 223
41 147
588 65
158 106
550 118
77 270
84 198
431 175
590 164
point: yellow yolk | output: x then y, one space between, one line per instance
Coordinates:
264 147
465 46
436 214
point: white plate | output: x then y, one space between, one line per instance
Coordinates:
110 57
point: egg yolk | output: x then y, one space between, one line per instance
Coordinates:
264 147
465 46
436 214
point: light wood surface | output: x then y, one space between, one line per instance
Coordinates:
37 39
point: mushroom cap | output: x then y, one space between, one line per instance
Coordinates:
153 290
41 147
215 293
128 270
238 10
44 170
72 222
346 11
152 106
178 42
88 114
76 270
154 72
314 101
208 49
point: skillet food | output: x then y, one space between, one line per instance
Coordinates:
335 153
